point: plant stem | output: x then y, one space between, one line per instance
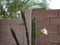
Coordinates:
14 36
33 35
26 29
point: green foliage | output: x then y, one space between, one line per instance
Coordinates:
14 5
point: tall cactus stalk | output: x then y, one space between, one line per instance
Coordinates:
33 35
26 29
14 36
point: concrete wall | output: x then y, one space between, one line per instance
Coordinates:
49 19
6 37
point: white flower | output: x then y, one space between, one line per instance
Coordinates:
44 31
19 12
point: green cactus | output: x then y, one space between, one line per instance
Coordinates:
14 36
26 29
33 35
